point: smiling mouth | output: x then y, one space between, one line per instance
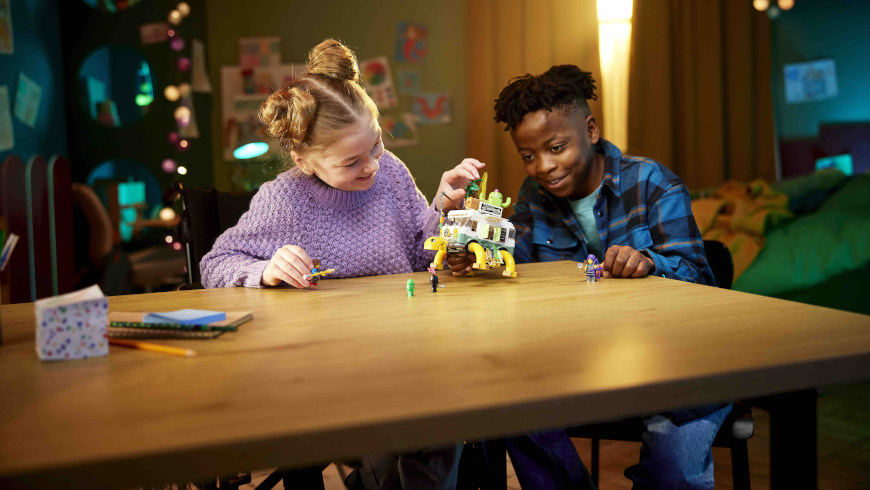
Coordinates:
366 178
555 182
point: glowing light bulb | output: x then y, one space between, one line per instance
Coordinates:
168 165
183 8
175 17
166 214
182 116
168 239
182 170
785 4
171 93
184 89
761 5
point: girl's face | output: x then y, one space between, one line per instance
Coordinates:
351 162
557 148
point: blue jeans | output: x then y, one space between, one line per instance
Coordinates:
677 456
672 457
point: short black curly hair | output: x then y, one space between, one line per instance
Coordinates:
562 86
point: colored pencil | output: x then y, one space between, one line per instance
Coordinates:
177 351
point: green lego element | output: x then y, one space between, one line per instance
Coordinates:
495 198
410 287
472 187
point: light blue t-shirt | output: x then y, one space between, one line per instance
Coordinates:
582 209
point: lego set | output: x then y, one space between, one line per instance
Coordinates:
478 228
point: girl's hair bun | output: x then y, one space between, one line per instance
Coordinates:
335 60
288 115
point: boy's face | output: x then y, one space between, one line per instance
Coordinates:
557 148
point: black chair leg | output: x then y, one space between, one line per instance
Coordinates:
594 469
273 479
740 465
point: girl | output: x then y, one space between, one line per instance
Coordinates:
346 201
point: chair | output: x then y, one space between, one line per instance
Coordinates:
205 214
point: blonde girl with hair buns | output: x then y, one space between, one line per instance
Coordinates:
345 200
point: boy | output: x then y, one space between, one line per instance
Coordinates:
581 197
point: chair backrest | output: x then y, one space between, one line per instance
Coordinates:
206 213
719 258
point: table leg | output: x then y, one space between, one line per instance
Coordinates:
793 439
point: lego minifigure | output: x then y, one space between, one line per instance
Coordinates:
316 273
433 280
410 287
315 277
593 268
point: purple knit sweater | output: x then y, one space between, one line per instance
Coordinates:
359 233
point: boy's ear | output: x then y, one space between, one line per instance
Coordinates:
592 129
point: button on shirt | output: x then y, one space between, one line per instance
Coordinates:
643 205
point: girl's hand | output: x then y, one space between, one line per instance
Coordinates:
624 261
290 264
453 183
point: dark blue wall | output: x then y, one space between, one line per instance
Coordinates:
36 39
814 29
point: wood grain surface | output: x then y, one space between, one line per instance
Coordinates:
355 365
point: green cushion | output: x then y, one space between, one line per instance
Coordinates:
807 192
815 247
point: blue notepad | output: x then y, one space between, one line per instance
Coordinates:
185 317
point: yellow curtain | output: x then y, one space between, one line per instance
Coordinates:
700 93
508 38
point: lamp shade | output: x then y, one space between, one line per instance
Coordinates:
247 144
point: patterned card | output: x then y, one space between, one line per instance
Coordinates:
72 326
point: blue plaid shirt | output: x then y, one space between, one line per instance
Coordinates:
641 204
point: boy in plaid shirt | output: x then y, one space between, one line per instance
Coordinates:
583 196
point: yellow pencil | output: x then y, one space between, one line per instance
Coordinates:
177 351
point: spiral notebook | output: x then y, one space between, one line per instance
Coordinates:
131 325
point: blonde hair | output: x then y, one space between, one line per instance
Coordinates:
313 110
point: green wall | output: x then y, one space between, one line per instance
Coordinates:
370 28
814 29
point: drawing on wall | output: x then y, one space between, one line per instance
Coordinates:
379 82
155 32
409 82
399 131
431 108
241 106
411 45
259 51
6 45
191 129
27 100
810 81
7 136
199 77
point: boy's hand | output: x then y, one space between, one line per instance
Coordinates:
459 263
453 182
290 264
624 261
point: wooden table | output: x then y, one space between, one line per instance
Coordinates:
355 365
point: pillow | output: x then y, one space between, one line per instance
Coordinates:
806 193
816 246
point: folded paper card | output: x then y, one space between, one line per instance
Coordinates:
185 317
72 326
